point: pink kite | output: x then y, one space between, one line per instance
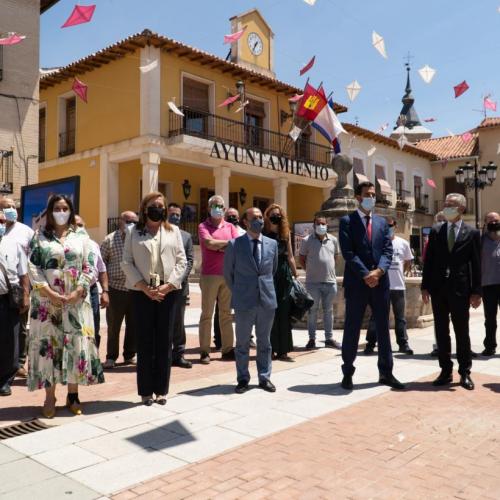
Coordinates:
489 104
81 14
467 136
234 37
12 39
80 89
430 120
460 88
296 98
431 183
229 100
308 66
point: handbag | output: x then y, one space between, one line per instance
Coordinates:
15 292
301 300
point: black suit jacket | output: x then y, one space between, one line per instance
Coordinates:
459 270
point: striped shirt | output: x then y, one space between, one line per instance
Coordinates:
112 251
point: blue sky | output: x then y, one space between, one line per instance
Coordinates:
457 37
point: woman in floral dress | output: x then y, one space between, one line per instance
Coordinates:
61 342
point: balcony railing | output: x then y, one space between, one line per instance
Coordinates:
403 195
439 204
67 143
382 201
213 127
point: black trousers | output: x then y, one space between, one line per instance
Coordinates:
120 307
179 330
94 302
154 322
491 301
9 341
23 336
446 304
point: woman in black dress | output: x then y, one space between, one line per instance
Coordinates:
276 227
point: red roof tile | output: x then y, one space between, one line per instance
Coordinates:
450 147
493 121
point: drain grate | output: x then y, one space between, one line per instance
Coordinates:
22 428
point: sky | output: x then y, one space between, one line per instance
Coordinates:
459 38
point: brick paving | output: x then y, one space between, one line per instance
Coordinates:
418 444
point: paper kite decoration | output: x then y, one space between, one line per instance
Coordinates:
460 88
467 136
149 67
229 100
382 128
371 151
430 120
402 141
80 89
489 104
427 73
296 98
234 37
450 133
312 2
431 183
308 66
295 133
174 108
241 106
379 44
12 39
81 14
353 90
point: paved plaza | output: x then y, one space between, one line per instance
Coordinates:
310 439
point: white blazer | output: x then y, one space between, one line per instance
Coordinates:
136 260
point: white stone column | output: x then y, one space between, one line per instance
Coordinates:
150 90
280 192
150 162
109 190
222 175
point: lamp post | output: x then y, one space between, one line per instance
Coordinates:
476 177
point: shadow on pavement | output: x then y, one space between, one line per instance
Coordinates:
330 389
210 391
151 439
493 387
428 387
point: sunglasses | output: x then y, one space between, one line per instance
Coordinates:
217 206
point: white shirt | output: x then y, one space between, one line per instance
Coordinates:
240 230
364 216
458 225
99 266
22 234
15 262
259 246
401 252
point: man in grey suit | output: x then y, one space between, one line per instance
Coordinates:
250 262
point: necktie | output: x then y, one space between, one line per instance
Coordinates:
256 255
451 237
368 228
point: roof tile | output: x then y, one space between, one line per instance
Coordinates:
450 147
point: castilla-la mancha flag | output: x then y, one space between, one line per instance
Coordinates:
312 102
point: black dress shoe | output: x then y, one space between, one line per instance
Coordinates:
311 344
444 378
391 381
5 390
489 352
241 388
466 382
229 356
347 383
333 344
405 349
369 348
182 363
434 353
267 385
474 354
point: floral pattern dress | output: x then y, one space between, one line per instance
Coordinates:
61 347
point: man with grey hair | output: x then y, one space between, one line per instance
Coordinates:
490 279
214 235
452 281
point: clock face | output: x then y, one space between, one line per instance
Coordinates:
255 44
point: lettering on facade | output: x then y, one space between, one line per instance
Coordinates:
229 152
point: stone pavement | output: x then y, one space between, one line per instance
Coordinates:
308 440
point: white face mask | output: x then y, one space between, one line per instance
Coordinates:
368 203
61 218
451 213
10 214
321 229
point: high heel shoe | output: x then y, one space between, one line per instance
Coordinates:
74 406
49 410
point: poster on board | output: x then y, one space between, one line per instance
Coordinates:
34 198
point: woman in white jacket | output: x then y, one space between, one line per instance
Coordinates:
154 263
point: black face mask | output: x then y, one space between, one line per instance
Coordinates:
493 227
275 219
155 214
232 219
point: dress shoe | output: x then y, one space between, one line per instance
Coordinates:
466 382
182 362
285 357
147 400
369 348
444 378
405 349
489 352
130 361
74 405
311 344
333 344
391 381
267 385
434 353
21 372
5 390
204 358
228 356
474 354
161 400
109 364
241 388
347 383
49 409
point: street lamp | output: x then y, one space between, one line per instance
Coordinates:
473 177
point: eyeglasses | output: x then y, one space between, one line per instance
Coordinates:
217 206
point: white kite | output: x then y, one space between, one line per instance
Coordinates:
371 151
310 2
353 90
149 67
295 133
246 103
174 108
427 73
402 141
379 44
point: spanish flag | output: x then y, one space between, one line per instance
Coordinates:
312 102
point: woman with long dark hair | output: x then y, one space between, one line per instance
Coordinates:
276 227
61 347
154 263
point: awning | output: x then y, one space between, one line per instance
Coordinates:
362 178
385 187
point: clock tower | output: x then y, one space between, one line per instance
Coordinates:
254 49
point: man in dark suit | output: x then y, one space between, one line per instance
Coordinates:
366 246
452 280
250 262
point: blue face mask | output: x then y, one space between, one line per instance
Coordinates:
174 219
3 228
368 203
321 229
10 214
256 225
216 212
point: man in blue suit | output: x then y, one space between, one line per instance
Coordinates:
250 262
367 250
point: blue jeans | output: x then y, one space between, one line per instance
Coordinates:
326 293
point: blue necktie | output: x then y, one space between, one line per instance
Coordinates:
256 255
